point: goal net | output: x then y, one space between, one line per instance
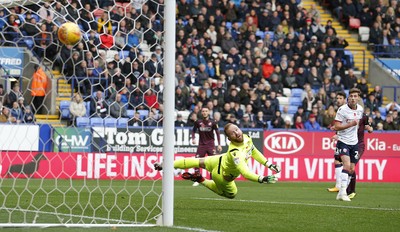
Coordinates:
81 153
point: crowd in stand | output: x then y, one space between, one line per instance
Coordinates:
382 16
235 57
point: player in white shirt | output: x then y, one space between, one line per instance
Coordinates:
346 125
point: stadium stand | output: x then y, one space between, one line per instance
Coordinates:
208 43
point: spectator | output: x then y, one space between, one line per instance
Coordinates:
6 117
363 87
16 112
392 106
298 123
151 120
378 118
328 117
311 123
378 94
13 95
388 124
371 102
300 112
150 98
179 121
98 105
28 116
38 89
117 108
245 122
277 121
77 108
260 121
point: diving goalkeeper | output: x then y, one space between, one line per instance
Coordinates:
227 167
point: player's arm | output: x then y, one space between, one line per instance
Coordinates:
257 155
194 129
215 127
339 126
246 173
367 124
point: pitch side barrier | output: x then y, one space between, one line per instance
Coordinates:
118 153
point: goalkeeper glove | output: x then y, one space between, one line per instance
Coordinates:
268 179
273 167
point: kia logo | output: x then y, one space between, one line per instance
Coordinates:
284 143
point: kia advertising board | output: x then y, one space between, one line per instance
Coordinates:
72 139
320 143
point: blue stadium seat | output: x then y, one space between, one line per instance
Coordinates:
123 54
292 109
295 101
228 25
110 122
143 114
96 121
122 122
271 33
382 110
87 108
260 34
347 92
82 121
130 113
64 109
296 92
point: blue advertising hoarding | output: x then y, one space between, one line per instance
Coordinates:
12 60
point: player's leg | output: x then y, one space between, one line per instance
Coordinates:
338 170
209 163
218 184
201 153
344 151
184 163
351 189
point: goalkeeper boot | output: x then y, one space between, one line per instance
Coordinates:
157 166
333 190
195 177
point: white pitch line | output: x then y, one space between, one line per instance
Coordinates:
126 223
300 203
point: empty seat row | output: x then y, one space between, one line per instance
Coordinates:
100 122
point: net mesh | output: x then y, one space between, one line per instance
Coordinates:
89 165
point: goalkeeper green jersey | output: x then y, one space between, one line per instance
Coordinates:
235 161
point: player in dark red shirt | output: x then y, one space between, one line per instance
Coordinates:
362 126
206 128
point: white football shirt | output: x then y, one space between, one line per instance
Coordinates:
345 115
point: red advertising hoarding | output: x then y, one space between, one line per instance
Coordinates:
139 165
290 143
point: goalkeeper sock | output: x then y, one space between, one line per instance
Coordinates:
187 163
338 171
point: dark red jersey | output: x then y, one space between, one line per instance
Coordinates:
206 130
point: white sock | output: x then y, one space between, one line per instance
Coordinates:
338 171
344 176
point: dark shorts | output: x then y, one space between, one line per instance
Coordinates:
203 150
348 150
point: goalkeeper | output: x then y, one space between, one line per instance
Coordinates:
227 167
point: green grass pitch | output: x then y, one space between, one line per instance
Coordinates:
284 206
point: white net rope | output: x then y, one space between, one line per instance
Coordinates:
94 164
